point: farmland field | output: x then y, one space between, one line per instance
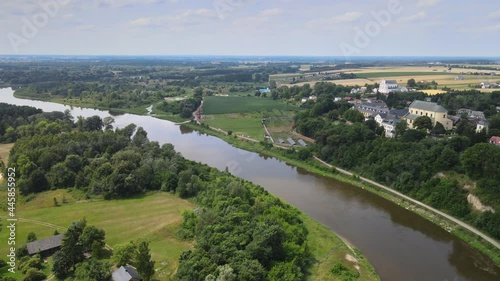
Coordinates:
224 105
397 74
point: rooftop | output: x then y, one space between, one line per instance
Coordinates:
427 106
126 273
44 244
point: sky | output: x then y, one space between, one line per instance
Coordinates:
251 27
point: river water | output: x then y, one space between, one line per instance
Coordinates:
401 245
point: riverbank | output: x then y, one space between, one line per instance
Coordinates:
329 250
313 166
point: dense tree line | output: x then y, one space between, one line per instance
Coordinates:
267 241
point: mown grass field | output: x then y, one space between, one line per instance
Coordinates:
247 124
231 104
155 217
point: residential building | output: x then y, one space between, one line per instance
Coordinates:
485 85
45 247
495 140
388 122
371 109
435 112
388 86
126 273
477 118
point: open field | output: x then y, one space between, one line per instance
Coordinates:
4 152
433 92
224 105
247 124
280 127
155 217
373 75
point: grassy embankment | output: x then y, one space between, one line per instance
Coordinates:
156 217
315 167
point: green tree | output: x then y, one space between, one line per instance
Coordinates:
423 123
34 274
411 83
439 129
31 237
353 116
92 235
93 270
145 266
124 254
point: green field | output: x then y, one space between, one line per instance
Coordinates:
247 124
397 74
224 105
155 217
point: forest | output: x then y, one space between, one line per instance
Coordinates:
240 229
427 168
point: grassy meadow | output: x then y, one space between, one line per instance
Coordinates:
232 104
155 217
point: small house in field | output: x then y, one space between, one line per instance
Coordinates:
45 247
126 273
291 141
485 85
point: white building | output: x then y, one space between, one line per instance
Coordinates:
388 86
388 122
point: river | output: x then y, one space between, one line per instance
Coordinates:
401 245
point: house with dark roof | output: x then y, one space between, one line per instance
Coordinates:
126 273
45 247
369 109
434 111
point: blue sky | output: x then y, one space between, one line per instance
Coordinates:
251 27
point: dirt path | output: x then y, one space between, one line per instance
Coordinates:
442 214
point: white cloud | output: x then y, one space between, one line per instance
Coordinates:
183 18
262 17
86 27
271 13
125 3
427 3
347 17
414 17
486 28
495 14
